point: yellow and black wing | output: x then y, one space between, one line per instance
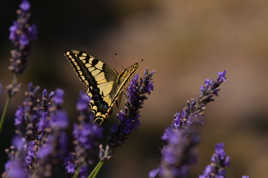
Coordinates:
104 85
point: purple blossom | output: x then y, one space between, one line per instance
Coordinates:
30 153
178 154
182 136
59 120
21 35
58 97
86 135
83 102
153 173
219 162
40 139
245 176
193 112
46 149
129 118
25 5
19 116
15 169
43 121
69 165
18 142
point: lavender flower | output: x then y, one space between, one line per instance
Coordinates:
194 109
182 136
21 35
219 161
129 118
86 135
245 176
15 169
40 139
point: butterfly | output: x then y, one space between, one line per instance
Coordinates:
104 85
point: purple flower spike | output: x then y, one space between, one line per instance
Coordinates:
40 140
182 136
129 117
21 35
87 137
219 161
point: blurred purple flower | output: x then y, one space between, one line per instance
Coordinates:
59 120
18 142
46 149
21 35
86 135
153 173
182 136
25 5
40 139
69 165
58 97
30 153
15 169
194 109
129 118
83 102
219 162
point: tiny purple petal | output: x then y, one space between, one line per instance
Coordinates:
24 40
15 169
58 97
83 102
153 173
25 5
69 165
18 142
44 151
221 76
59 120
19 116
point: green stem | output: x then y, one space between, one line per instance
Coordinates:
96 170
4 114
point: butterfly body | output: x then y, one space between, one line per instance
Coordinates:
104 85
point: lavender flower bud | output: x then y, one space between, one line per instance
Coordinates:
219 161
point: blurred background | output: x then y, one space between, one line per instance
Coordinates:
185 42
